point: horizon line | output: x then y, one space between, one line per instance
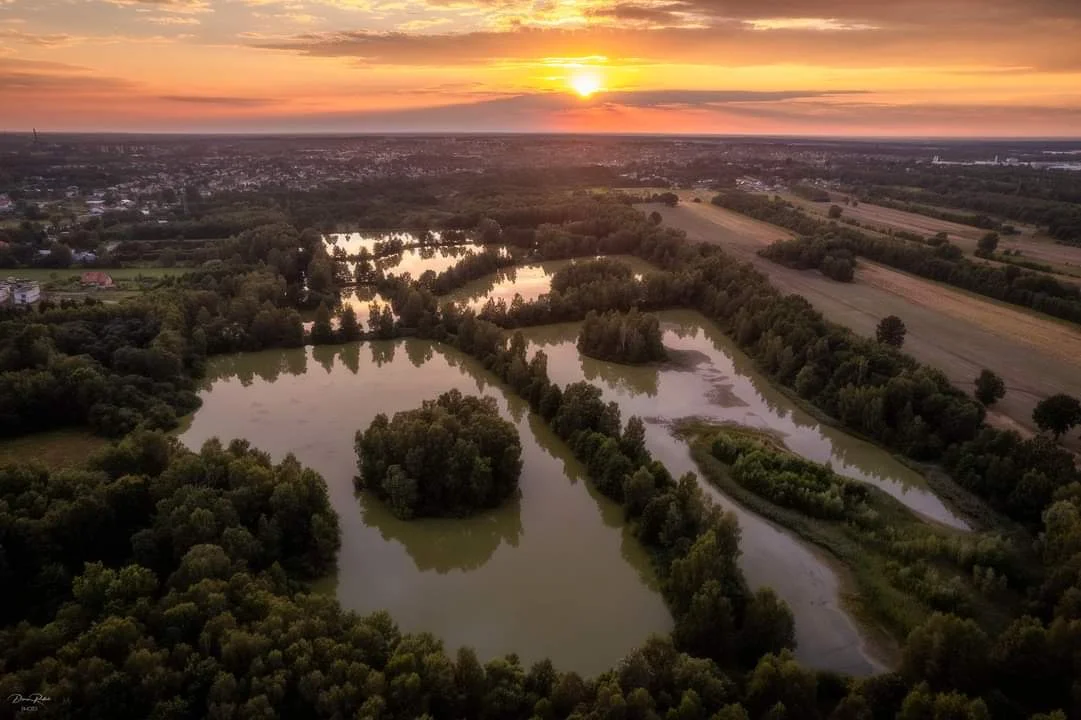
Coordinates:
539 133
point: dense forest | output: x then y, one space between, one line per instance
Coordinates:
630 338
118 367
162 583
823 242
453 456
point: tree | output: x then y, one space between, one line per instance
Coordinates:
948 653
348 327
835 212
322 331
987 244
655 218
452 456
1057 414
990 388
891 331
626 338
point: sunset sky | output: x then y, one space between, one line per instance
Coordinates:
803 67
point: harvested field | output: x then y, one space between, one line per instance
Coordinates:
723 226
1033 244
957 332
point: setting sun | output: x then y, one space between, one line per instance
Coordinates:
585 83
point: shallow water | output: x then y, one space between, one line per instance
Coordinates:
711 378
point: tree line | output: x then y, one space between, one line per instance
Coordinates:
944 263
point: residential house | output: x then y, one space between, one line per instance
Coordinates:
97 278
26 293
19 292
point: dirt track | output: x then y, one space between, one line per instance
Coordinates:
956 332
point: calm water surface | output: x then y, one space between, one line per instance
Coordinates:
529 281
712 379
552 574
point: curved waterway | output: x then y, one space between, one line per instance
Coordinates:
710 378
554 573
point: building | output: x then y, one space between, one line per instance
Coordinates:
26 293
19 292
98 278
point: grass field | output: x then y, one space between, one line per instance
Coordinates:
888 611
954 331
54 450
46 274
1033 244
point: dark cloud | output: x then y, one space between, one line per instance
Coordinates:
698 98
1052 46
663 14
38 39
530 112
23 77
724 112
907 12
167 5
16 82
223 101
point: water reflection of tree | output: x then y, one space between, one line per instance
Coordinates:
635 554
635 380
446 544
350 354
846 452
267 366
382 352
324 355
419 351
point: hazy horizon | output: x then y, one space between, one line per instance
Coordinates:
807 68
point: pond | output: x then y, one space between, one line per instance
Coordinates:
353 242
529 281
713 379
710 378
553 573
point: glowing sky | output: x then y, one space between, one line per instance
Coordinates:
845 67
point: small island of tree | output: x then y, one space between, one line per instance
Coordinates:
451 457
630 337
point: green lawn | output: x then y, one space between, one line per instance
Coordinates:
129 273
55 449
